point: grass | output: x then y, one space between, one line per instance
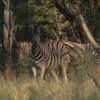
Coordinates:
25 88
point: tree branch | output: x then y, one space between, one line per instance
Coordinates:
4 2
64 11
86 29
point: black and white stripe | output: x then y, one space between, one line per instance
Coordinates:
49 56
93 53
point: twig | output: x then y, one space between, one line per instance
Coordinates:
4 2
55 34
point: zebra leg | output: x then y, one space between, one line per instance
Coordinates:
42 72
54 75
34 71
64 71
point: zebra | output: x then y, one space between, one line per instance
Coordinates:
48 57
93 53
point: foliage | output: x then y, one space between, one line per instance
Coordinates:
46 13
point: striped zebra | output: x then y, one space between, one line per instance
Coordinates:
48 57
93 53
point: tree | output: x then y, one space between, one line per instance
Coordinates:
72 13
7 37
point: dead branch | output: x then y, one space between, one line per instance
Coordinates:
4 2
86 29
55 34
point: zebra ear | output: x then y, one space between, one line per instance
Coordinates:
32 30
35 29
31 27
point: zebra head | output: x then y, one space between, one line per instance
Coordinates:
36 47
35 30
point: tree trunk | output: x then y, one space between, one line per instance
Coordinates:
7 39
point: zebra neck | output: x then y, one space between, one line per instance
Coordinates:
37 53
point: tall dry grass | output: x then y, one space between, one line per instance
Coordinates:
25 88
